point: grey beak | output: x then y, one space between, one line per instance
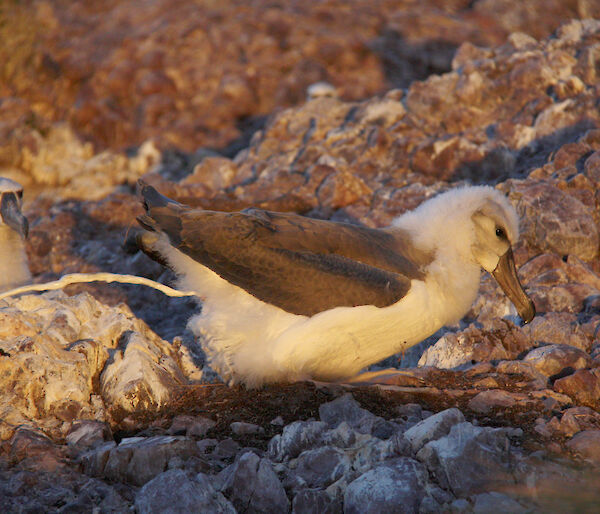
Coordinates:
506 275
11 214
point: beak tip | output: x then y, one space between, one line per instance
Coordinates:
528 314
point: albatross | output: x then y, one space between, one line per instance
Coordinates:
14 270
287 298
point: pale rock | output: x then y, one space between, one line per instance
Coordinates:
433 428
295 438
176 491
143 376
78 342
370 451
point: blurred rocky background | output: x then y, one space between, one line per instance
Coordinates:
346 110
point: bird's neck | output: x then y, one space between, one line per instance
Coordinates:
14 270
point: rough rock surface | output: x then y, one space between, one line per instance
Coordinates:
101 411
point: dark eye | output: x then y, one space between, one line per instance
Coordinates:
500 233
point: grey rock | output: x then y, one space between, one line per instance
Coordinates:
322 466
95 493
460 505
252 486
295 438
241 428
346 408
493 502
396 486
370 451
554 359
225 449
469 459
433 428
342 436
94 461
139 459
174 491
309 501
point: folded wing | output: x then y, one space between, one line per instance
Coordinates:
299 264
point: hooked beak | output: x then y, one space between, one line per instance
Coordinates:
506 275
11 214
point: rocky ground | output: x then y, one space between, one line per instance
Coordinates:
106 404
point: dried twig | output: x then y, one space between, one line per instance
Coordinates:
79 278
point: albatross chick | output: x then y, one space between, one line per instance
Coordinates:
14 270
289 298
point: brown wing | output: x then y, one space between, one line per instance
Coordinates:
302 265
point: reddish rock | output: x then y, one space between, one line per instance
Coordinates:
583 386
587 445
555 359
486 401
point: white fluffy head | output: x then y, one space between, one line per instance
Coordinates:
476 223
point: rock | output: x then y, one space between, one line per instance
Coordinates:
192 426
86 434
554 221
394 487
485 401
140 377
69 339
457 349
556 327
241 428
583 387
433 428
492 502
587 445
308 501
31 448
346 408
139 459
176 491
469 459
557 359
252 486
321 467
295 438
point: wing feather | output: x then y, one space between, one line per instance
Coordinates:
302 265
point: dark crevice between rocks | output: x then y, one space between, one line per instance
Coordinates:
404 62
503 163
